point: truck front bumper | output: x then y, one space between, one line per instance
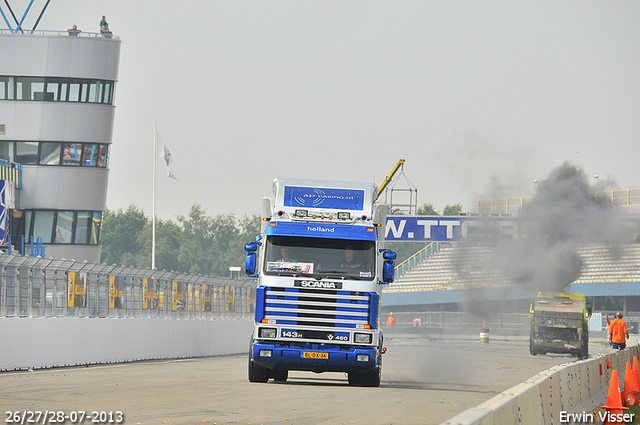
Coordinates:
314 357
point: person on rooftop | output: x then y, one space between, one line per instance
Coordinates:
74 31
106 32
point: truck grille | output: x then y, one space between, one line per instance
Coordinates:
316 314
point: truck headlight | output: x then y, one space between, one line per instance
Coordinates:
362 338
265 353
362 357
267 333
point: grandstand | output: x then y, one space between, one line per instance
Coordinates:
443 271
463 266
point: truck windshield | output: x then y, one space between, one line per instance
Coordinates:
333 258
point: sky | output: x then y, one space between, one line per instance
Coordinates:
480 98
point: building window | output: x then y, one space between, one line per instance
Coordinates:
50 153
6 88
63 227
71 154
96 227
55 153
27 222
56 89
83 228
90 155
42 225
7 151
26 153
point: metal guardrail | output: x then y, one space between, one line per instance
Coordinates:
47 287
617 198
410 262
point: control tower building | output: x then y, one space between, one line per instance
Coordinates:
57 106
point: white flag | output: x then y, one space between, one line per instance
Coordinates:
163 152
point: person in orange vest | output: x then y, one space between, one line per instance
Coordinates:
619 332
391 321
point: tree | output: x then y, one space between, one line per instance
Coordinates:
196 248
210 245
168 240
427 209
119 235
452 209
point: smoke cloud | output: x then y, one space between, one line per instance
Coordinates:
564 214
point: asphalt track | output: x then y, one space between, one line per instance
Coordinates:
426 380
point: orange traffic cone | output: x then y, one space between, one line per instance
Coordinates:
630 392
614 400
636 370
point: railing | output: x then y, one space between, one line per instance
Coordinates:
11 171
449 320
501 205
410 262
617 198
46 287
65 33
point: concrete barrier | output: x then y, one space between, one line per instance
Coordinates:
34 343
578 388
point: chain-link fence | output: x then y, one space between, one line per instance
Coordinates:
47 287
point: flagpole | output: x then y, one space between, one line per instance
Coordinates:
153 219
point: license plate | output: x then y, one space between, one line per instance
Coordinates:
313 355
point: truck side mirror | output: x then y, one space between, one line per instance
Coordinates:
388 255
250 261
387 271
388 267
250 264
589 312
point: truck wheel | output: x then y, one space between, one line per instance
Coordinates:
531 350
353 378
257 373
281 376
372 378
584 353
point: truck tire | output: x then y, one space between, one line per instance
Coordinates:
257 373
281 375
372 378
531 350
584 352
353 378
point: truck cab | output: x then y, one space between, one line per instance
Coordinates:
320 263
559 324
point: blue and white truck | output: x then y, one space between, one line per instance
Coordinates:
320 263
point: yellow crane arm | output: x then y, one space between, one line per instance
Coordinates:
386 182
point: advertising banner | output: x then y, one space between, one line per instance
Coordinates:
116 292
206 298
480 229
178 296
77 290
229 296
150 294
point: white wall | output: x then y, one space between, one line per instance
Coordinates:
49 342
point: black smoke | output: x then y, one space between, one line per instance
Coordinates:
565 214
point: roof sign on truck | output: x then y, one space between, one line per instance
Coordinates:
313 197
